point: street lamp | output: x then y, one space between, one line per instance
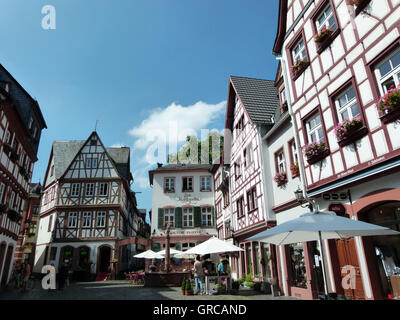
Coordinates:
300 199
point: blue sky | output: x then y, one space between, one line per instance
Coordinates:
132 64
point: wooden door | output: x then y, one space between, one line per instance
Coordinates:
7 265
347 255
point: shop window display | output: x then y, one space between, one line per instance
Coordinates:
298 264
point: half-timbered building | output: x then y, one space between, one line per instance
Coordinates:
250 114
21 123
341 57
183 198
88 214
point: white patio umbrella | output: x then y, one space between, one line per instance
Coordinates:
149 254
172 252
213 245
318 226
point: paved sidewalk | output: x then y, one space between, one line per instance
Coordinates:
119 290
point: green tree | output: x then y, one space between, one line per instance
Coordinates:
194 151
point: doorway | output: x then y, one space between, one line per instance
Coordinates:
7 264
104 258
384 251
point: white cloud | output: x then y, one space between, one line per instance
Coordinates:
175 122
118 145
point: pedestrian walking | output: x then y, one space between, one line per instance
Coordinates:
198 276
26 275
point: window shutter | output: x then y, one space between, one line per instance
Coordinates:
213 216
178 217
160 218
197 217
155 247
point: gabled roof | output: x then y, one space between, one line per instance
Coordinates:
64 152
259 97
281 30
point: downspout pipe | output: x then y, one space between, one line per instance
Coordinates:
295 131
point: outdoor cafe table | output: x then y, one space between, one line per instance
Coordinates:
219 279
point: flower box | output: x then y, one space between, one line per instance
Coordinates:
350 131
315 152
353 137
7 148
323 35
299 67
14 215
360 4
14 156
389 105
294 168
281 178
391 116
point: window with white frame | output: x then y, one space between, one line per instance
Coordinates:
206 216
326 19
252 199
2 188
169 185
388 72
238 169
72 219
187 217
86 220
240 207
187 184
8 137
248 155
205 184
346 105
169 217
299 51
103 190
91 162
101 219
280 161
53 193
11 203
293 151
17 202
75 189
314 129
283 95
89 189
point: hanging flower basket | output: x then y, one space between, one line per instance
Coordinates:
389 105
350 131
14 215
315 152
3 208
359 4
299 67
294 168
281 178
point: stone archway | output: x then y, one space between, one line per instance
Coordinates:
104 255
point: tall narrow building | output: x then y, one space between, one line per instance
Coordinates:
88 214
21 124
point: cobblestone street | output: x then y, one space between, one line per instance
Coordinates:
119 290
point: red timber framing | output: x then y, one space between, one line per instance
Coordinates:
99 212
350 58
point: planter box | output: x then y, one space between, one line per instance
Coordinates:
327 41
301 70
356 135
14 215
281 183
318 157
391 116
